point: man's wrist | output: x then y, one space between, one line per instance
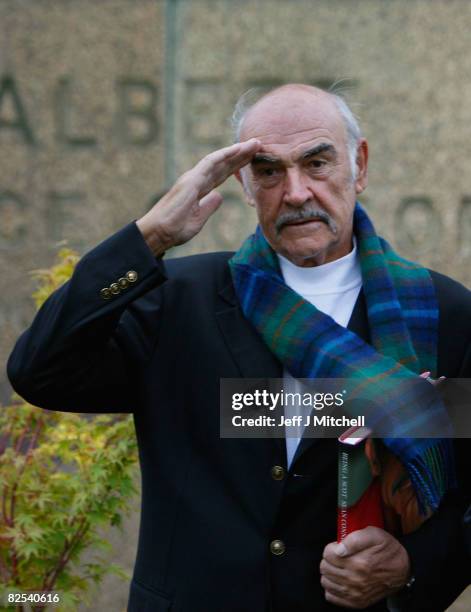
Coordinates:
396 602
151 237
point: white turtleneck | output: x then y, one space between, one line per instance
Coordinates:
333 288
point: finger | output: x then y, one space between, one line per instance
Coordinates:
246 147
332 571
239 149
249 147
340 601
224 162
219 165
332 556
433 381
211 202
335 588
359 540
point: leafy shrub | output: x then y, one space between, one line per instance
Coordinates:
63 477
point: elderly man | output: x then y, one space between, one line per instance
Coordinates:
249 525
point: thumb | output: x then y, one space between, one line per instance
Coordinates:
210 203
356 541
340 549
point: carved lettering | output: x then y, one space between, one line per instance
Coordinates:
418 224
136 120
204 121
14 118
62 114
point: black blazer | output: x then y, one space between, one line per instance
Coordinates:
210 506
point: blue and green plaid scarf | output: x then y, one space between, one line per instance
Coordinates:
403 320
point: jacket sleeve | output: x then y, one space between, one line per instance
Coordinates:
440 560
87 339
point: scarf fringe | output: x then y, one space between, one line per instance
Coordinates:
432 473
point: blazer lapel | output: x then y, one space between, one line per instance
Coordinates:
251 355
358 324
252 358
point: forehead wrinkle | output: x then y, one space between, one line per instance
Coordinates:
279 134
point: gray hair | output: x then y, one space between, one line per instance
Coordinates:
252 96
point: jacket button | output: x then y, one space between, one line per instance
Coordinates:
123 282
105 293
114 288
277 547
131 276
277 472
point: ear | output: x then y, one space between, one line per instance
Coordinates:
248 196
361 180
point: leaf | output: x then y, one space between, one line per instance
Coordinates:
119 571
27 550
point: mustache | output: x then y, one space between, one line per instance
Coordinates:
305 214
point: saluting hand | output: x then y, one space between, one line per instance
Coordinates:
181 213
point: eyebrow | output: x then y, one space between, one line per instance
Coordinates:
323 147
260 158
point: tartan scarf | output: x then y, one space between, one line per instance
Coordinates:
402 314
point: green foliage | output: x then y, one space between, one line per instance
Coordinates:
50 279
63 478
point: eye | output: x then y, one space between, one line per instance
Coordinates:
317 163
268 171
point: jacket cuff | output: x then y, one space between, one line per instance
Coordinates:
121 265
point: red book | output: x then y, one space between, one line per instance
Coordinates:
359 502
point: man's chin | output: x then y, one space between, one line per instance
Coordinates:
307 255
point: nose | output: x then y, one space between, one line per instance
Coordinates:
296 191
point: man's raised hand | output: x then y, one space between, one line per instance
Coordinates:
181 212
